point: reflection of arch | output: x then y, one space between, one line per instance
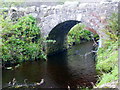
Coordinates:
57 64
59 33
70 67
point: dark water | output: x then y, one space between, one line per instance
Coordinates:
75 67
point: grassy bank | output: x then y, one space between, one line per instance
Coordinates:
107 56
107 63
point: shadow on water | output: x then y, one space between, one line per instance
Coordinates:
74 67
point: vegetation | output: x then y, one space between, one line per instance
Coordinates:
107 57
21 40
107 66
9 3
78 34
112 28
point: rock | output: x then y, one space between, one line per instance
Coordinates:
70 4
30 9
34 15
79 17
113 84
82 5
49 7
22 9
13 9
59 6
37 9
43 6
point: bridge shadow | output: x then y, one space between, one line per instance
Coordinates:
72 69
59 34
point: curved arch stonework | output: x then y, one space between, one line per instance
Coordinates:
59 34
93 15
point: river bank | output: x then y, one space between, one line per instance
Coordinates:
107 65
73 68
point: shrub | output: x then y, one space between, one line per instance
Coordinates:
107 57
78 34
112 27
21 40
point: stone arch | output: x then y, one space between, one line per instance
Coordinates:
59 34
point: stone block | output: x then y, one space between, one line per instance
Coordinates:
30 9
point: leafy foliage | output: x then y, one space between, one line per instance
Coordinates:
78 34
112 27
106 65
21 40
107 57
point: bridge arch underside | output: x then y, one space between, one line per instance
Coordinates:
59 35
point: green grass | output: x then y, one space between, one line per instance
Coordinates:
107 63
0 41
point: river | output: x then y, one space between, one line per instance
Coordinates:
72 68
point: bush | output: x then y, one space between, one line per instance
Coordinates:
106 65
21 40
107 57
112 27
78 34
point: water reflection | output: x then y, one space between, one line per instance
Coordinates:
73 67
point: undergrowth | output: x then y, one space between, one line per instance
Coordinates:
21 40
78 35
107 63
107 56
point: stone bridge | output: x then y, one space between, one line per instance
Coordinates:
56 21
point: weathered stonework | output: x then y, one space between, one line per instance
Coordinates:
93 15
59 34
